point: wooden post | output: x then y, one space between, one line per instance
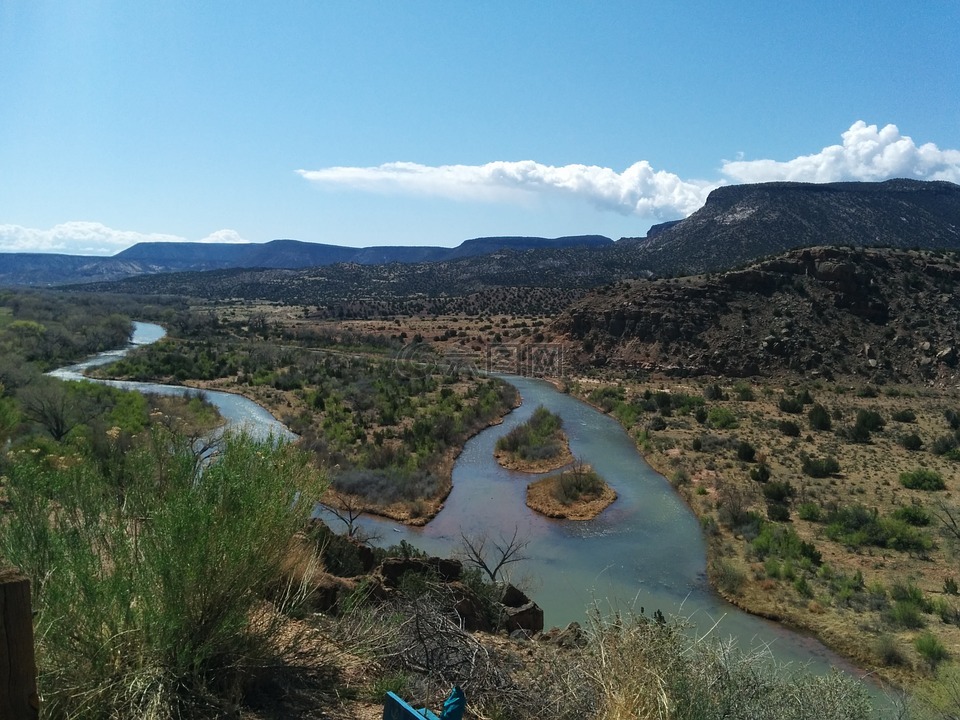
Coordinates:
18 670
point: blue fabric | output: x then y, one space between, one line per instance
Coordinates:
454 705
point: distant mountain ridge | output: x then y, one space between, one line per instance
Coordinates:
166 257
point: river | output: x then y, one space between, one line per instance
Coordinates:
644 551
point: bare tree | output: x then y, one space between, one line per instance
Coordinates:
348 509
949 517
491 556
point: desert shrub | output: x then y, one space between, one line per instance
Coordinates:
779 491
607 397
745 451
944 444
922 479
657 424
904 614
713 392
810 512
905 416
791 405
144 594
912 515
789 428
820 467
778 512
728 575
953 419
696 444
782 541
760 473
931 649
911 442
856 434
950 586
887 651
870 419
721 418
819 418
855 526
744 392
577 483
536 439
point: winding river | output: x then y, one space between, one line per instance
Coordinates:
644 551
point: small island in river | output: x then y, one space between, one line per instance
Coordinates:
577 493
537 446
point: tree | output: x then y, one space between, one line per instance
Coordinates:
491 556
51 404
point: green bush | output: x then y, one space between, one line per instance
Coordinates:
721 418
912 515
905 416
819 418
791 405
745 451
810 512
820 467
144 592
922 479
911 442
870 420
905 614
789 428
760 473
930 649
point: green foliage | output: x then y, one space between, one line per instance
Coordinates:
914 515
782 542
721 418
931 649
904 416
745 451
870 420
760 473
820 467
887 651
911 442
744 392
904 614
789 428
810 512
144 593
922 479
819 418
791 405
577 484
607 397
855 526
536 439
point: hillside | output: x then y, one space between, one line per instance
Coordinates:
886 315
741 223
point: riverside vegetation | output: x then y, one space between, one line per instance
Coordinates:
827 506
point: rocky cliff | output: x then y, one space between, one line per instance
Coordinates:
888 315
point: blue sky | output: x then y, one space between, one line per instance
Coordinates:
428 123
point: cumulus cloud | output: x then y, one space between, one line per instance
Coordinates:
89 238
866 153
638 190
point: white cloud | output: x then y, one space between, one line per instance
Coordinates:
638 190
867 153
89 238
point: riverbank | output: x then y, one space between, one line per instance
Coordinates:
739 461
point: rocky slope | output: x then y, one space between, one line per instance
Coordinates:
888 315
